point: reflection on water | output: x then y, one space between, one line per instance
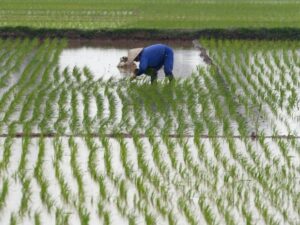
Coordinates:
103 61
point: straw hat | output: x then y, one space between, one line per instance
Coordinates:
133 53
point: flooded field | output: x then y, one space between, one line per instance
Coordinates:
75 149
102 58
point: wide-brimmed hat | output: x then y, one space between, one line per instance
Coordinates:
133 53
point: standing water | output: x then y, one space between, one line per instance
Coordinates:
102 58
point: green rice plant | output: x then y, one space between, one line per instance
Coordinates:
123 190
75 120
76 169
92 164
49 112
161 207
141 187
141 159
100 210
182 203
64 187
107 155
9 53
127 165
158 160
67 76
266 148
13 63
206 211
61 217
26 107
87 121
172 219
63 112
6 153
77 74
170 144
37 219
248 216
56 75
106 218
4 193
13 219
37 106
45 195
99 102
150 219
88 73
84 215
26 195
132 220
284 148
41 180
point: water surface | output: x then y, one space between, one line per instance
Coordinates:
103 60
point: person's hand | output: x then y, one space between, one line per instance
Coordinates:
132 77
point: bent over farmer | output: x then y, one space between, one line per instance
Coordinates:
151 59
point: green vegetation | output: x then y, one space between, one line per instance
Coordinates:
169 14
151 176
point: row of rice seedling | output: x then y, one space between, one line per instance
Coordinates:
159 167
153 14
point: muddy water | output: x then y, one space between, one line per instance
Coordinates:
102 58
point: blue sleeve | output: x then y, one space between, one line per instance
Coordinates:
169 60
143 65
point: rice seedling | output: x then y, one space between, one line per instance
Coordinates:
61 217
6 154
150 219
37 219
168 144
24 206
4 193
83 215
106 217
76 169
13 219
41 180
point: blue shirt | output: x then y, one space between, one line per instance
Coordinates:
156 56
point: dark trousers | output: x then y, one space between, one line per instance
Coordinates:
153 74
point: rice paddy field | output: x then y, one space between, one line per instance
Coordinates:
166 14
81 144
218 147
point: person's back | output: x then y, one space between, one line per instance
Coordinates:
156 56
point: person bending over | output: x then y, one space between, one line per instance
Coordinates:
152 59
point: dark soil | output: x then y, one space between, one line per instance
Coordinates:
154 34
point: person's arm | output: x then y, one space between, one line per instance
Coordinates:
169 61
143 66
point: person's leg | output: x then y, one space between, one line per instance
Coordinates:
168 64
153 73
153 78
